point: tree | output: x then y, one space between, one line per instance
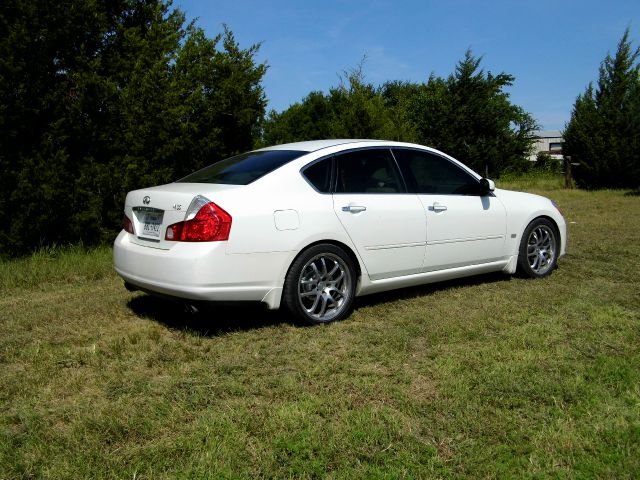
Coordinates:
101 97
309 119
358 110
354 109
397 97
603 134
470 117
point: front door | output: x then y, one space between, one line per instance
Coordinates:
463 230
464 227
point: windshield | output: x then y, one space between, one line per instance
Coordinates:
244 168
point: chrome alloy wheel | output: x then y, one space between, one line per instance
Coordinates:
324 286
541 246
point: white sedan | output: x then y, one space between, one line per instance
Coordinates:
312 225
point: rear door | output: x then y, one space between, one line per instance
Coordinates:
386 224
463 226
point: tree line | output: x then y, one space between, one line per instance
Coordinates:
467 115
101 97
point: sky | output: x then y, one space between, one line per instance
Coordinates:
552 48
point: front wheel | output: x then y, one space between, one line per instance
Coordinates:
320 285
538 249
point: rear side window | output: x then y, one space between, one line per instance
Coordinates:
244 168
319 175
427 172
368 171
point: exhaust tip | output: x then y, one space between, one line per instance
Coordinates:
191 309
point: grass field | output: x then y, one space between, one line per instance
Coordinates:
487 377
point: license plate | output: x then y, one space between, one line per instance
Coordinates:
151 222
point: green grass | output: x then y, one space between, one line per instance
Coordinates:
539 181
56 265
487 377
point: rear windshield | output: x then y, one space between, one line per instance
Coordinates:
244 168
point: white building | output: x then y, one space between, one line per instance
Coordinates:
547 141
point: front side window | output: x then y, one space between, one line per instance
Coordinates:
427 172
244 168
368 171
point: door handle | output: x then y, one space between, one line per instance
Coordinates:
354 208
436 207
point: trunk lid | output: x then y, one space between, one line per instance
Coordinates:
152 210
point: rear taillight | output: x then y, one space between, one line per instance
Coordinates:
209 224
127 224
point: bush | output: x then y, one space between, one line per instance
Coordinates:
545 163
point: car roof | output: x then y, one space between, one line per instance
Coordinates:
314 145
309 147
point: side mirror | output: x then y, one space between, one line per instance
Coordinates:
486 186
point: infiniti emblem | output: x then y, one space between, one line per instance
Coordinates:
146 200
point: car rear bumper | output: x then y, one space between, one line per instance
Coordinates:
202 271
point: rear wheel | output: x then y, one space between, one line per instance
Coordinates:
320 285
538 249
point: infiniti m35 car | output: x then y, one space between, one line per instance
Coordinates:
312 225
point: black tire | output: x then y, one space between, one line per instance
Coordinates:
320 285
539 248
